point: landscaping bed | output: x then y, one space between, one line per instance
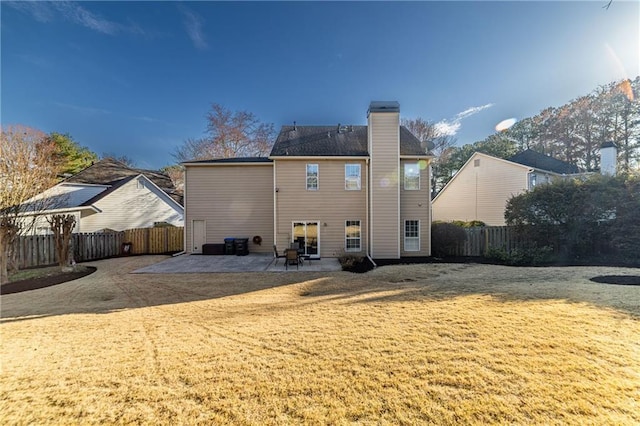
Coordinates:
36 278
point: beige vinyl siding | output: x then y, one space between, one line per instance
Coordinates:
233 200
480 193
330 204
130 207
415 205
384 143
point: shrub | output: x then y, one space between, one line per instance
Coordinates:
522 256
445 238
354 263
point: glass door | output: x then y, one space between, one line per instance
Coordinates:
307 236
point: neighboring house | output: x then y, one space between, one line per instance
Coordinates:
356 189
109 196
481 188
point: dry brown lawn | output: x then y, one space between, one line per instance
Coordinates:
439 344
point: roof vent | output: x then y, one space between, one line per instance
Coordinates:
294 126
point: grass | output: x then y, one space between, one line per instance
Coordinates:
445 344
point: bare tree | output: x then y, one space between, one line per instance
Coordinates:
62 227
27 168
176 174
440 144
127 161
229 134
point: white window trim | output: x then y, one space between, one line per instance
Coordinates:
353 250
306 172
346 166
412 238
417 164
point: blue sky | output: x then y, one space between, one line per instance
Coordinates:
137 78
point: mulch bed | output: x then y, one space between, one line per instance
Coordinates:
46 281
617 279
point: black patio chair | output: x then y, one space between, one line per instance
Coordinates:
276 255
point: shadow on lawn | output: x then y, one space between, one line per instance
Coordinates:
113 288
504 283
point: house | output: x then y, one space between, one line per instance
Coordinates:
481 188
333 189
110 196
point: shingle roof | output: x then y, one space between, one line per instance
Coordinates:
544 162
328 141
108 191
232 160
111 172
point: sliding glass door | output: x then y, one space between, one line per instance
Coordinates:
307 235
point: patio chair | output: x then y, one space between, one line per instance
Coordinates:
292 258
277 256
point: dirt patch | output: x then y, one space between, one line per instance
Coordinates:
617 279
45 281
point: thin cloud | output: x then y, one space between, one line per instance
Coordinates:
471 111
452 127
81 16
40 11
446 128
83 109
74 12
193 25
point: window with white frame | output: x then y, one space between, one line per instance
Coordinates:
411 235
411 176
352 235
352 177
312 177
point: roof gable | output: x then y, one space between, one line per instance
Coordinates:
536 160
149 184
110 172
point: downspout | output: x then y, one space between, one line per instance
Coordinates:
367 216
184 217
275 203
369 241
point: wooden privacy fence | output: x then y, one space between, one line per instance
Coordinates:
480 239
39 250
155 240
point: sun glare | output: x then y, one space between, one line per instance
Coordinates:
505 124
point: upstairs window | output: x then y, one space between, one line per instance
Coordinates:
352 177
312 177
411 176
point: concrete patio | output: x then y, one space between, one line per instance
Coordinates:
251 263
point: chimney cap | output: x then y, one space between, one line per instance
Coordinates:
608 144
384 106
